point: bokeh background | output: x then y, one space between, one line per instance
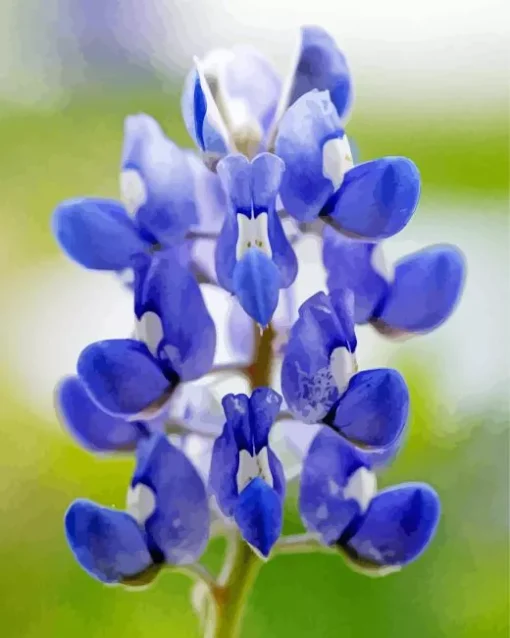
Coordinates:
431 83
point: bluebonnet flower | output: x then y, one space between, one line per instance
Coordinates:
372 200
192 410
233 99
176 342
254 258
246 476
167 519
163 193
378 532
320 382
415 295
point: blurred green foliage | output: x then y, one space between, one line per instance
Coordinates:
458 589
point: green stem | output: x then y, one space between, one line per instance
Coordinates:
232 598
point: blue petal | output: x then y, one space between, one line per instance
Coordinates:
326 506
201 116
179 525
138 131
302 133
238 415
96 233
259 515
225 253
188 335
307 381
210 199
283 255
264 408
107 543
397 528
376 199
122 376
349 266
427 287
94 429
223 473
256 283
373 410
266 175
169 208
322 66
235 173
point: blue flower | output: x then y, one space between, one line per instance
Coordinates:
167 519
246 476
233 99
378 532
163 189
416 295
372 200
191 409
254 258
320 382
176 342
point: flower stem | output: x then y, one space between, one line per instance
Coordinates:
231 598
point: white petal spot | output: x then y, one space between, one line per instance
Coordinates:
362 487
261 234
342 365
141 503
149 330
336 160
133 191
333 487
251 467
322 512
253 233
245 236
381 265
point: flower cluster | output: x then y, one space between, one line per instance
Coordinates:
273 162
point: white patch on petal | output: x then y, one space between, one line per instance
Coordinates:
342 365
245 236
261 234
336 160
150 330
141 503
133 191
251 467
362 487
333 487
322 512
381 265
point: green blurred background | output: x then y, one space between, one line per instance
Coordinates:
458 441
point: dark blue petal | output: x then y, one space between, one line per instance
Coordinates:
122 376
174 319
201 115
223 473
94 429
302 134
373 410
336 486
107 543
308 383
376 199
96 233
264 408
179 524
278 474
258 513
397 527
322 66
283 254
427 287
350 265
238 415
256 283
